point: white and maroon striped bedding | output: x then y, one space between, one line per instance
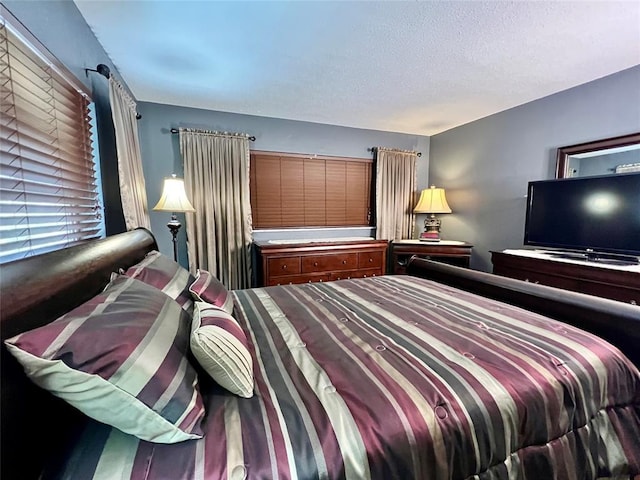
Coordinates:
400 378
164 274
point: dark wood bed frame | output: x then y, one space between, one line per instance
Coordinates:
37 290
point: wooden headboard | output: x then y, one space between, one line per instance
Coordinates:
616 322
35 291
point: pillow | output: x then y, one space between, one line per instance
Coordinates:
120 358
207 288
163 273
221 348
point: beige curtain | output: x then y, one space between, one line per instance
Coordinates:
132 188
216 177
395 192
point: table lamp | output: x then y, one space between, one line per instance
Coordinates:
432 201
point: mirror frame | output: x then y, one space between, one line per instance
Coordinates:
562 160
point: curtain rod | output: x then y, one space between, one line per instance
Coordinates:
105 71
373 149
175 130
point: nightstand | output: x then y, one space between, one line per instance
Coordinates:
446 251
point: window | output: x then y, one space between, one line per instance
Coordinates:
48 187
289 190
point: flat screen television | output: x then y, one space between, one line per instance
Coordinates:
588 215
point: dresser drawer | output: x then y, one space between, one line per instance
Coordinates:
283 266
370 259
360 273
294 279
323 263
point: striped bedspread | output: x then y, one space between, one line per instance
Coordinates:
398 377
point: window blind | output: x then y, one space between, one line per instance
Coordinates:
289 190
48 189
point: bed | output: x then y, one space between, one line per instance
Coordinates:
444 373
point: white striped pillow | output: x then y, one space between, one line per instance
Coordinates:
120 358
221 348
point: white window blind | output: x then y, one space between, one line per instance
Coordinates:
48 188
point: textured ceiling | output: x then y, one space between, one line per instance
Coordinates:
412 67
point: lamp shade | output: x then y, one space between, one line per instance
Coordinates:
174 198
432 200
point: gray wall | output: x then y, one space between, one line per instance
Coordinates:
161 154
61 28
485 165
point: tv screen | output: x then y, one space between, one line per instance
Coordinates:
597 213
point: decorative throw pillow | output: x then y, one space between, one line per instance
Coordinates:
207 288
163 273
221 348
120 358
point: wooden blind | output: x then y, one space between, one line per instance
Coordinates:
289 190
48 188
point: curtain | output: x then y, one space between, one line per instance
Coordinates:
216 175
132 188
395 193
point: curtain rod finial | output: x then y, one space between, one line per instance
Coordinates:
103 70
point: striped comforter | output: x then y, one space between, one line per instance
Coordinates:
398 377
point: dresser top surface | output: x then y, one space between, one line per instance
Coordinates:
439 243
548 256
342 242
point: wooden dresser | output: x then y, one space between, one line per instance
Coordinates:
285 263
621 284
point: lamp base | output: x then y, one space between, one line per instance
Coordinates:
431 229
174 225
424 238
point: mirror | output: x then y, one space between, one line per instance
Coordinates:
602 157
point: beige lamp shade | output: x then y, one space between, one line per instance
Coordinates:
432 200
174 198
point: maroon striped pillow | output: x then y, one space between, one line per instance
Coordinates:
221 348
163 273
120 358
207 288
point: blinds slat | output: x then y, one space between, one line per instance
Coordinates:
28 249
13 183
45 237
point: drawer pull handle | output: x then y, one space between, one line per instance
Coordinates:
370 260
284 267
344 262
315 264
